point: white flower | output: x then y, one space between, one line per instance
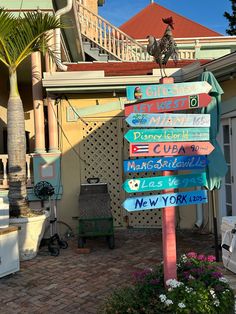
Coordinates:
162 297
181 305
168 302
216 302
191 277
188 289
213 294
183 258
173 283
223 279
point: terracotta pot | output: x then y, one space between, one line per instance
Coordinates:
30 234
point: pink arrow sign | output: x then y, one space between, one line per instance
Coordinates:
169 104
170 149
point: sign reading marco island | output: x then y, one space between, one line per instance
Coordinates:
169 104
168 120
165 200
165 182
165 163
166 135
167 90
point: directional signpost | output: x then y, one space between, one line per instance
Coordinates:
169 104
165 200
149 120
170 149
166 90
167 182
165 163
166 135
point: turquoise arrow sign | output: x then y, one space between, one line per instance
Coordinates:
167 135
166 90
165 182
168 120
165 200
165 163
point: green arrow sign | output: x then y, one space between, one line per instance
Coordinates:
165 182
167 135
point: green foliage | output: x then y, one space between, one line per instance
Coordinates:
201 289
231 19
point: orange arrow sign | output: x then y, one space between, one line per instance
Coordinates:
170 149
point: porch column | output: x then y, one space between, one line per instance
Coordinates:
52 108
37 92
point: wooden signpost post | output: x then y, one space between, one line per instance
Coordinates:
167 135
149 120
166 90
165 163
170 149
167 182
169 104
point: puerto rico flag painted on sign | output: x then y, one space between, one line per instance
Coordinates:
140 148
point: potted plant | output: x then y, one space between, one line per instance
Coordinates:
200 289
20 36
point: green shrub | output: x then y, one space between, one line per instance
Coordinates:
200 289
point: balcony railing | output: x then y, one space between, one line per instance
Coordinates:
4 171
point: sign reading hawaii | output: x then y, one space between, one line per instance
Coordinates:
168 120
165 182
166 135
165 200
165 163
170 149
169 104
167 90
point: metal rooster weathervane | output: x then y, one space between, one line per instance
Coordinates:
164 48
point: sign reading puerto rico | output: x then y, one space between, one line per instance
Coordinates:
165 163
167 135
165 200
170 149
166 90
168 120
165 182
169 104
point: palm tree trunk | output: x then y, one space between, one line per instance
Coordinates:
16 147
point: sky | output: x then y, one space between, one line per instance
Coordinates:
209 13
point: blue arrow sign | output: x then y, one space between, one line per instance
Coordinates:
149 120
164 182
167 135
165 200
166 90
165 163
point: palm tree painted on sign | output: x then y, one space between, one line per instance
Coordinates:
19 38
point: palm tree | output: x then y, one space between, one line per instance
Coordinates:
19 38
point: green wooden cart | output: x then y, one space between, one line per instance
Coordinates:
95 216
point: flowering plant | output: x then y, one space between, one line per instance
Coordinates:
200 289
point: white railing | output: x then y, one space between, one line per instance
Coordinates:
4 172
109 38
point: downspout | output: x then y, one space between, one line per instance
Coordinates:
199 214
58 14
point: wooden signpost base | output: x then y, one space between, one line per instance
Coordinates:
168 226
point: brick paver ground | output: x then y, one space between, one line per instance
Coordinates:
78 283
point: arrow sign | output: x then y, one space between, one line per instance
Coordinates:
165 200
165 163
166 90
165 182
169 104
170 149
166 135
168 120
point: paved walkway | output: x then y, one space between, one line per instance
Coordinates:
78 283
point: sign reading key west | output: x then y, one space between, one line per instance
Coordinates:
168 120
165 182
166 135
165 200
169 104
165 163
166 90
